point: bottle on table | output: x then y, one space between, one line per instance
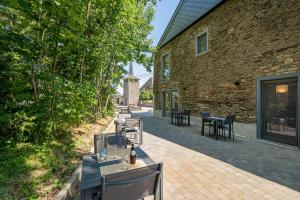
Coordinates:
132 155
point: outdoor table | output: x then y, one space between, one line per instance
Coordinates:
217 121
92 171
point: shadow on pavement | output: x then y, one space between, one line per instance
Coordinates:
275 163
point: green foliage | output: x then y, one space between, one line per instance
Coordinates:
27 167
62 61
146 95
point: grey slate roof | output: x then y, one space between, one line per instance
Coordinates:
186 13
148 85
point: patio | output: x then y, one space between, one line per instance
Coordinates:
198 167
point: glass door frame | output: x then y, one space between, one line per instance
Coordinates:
163 112
279 137
259 102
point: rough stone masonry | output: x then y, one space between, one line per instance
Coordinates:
246 39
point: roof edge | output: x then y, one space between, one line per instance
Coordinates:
170 22
197 20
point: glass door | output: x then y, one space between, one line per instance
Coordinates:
166 111
174 100
280 110
170 102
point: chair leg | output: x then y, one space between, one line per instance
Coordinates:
222 134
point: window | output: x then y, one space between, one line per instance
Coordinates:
166 68
202 43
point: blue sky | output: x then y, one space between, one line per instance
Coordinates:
163 13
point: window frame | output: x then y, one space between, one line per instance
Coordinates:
162 67
196 42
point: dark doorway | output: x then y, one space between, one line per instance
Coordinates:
279 110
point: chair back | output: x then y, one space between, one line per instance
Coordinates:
174 110
229 119
99 141
125 111
131 184
122 117
205 115
187 112
132 122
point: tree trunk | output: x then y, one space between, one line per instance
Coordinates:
82 65
33 82
52 106
88 9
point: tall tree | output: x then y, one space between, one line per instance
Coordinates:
62 61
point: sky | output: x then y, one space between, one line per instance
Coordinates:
163 13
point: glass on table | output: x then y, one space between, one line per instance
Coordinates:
103 154
98 157
125 161
113 151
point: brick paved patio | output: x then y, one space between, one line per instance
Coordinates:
198 167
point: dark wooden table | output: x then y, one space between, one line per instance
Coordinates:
217 121
91 174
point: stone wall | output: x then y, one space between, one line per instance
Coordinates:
247 39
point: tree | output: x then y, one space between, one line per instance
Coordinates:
146 95
61 60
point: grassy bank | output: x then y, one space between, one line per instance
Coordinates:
38 171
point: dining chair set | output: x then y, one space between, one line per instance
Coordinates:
130 127
219 126
110 178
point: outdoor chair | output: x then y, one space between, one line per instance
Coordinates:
98 142
111 139
133 128
173 116
125 111
207 122
122 117
119 122
130 184
227 126
184 116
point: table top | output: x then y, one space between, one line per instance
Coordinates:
92 170
216 118
177 111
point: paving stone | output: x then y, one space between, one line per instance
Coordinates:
198 167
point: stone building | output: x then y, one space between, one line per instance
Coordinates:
131 88
148 85
118 99
233 56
